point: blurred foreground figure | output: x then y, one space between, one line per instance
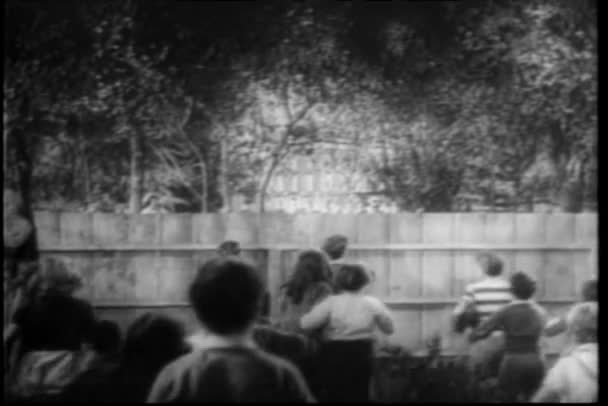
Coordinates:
558 325
53 330
227 366
574 377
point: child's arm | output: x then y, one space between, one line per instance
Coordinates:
317 317
384 320
495 322
555 326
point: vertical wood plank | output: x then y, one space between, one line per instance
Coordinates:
142 229
530 228
274 280
47 228
242 227
587 233
303 227
404 277
561 228
372 229
376 262
405 228
109 283
208 228
408 329
176 272
275 228
532 263
469 227
75 229
436 274
110 229
559 279
465 271
177 228
331 224
142 273
499 228
437 228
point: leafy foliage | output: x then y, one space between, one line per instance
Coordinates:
198 102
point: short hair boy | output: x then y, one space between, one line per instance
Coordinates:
226 296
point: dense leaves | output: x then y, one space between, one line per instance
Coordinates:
183 106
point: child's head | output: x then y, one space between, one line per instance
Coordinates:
589 291
152 341
351 278
227 295
228 248
490 263
522 286
107 338
335 246
311 268
582 322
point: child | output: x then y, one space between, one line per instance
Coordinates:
334 247
557 325
351 319
226 296
574 377
522 321
308 285
228 248
482 299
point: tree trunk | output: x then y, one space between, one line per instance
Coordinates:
136 177
84 162
222 176
204 188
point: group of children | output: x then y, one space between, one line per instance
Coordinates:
506 327
319 348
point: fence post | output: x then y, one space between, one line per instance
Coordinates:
274 280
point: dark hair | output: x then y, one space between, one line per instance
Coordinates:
522 285
311 268
351 278
492 265
229 247
335 246
589 291
107 337
226 295
152 341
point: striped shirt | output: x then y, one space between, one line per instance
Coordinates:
488 295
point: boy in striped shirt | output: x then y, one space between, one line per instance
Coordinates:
483 298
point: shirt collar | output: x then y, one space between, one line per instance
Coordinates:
205 340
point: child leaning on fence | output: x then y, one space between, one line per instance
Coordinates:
522 321
350 320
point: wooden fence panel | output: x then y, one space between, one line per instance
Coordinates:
110 229
144 229
405 228
75 229
405 279
47 228
436 274
208 228
132 264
